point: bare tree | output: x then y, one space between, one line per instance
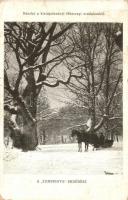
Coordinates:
29 53
101 62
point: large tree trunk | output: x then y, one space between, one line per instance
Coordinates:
29 130
26 140
29 139
27 120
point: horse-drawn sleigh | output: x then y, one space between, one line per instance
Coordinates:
90 138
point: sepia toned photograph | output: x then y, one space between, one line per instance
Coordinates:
63 105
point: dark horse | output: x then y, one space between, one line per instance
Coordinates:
87 138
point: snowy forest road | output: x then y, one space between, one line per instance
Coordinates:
63 159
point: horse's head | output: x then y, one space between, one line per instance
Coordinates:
74 133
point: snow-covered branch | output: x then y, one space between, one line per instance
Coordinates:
58 82
116 117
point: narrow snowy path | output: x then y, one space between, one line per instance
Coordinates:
64 159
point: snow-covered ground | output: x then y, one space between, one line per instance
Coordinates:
64 159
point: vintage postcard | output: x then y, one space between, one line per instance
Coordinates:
64 95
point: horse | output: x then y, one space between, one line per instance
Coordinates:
87 138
